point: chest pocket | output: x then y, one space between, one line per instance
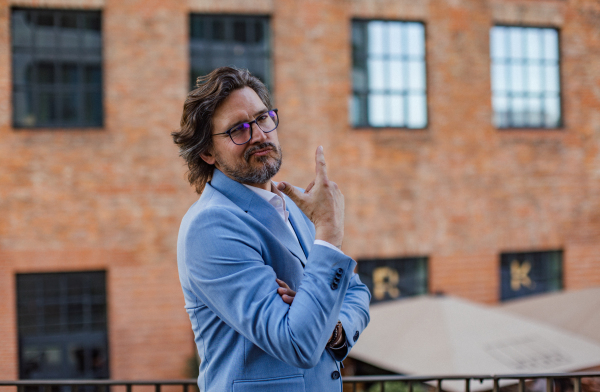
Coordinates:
289 384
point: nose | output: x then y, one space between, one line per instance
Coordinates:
258 136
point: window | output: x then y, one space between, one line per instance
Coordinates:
389 279
62 325
240 41
57 68
388 74
524 274
525 77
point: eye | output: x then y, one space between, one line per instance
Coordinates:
239 128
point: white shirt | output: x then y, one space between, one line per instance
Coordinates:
275 198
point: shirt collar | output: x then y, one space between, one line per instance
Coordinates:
273 197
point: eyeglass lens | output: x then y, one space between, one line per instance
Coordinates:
242 133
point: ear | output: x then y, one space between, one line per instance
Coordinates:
208 157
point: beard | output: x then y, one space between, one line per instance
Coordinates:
245 173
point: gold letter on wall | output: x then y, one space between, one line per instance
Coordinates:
385 280
519 275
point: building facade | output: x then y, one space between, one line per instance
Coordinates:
465 135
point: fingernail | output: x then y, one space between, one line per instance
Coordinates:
281 186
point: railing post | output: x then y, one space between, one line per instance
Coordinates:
495 385
439 386
521 385
128 386
410 386
157 388
467 385
577 384
549 384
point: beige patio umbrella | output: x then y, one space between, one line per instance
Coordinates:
450 336
574 311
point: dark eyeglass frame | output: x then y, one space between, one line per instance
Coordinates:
255 121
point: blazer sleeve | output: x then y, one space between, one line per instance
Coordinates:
354 315
225 269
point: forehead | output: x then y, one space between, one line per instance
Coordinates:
240 105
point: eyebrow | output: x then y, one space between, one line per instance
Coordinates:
261 111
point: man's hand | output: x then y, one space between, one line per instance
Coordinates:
322 202
287 294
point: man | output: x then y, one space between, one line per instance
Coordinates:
274 303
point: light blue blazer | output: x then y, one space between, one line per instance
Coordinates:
232 245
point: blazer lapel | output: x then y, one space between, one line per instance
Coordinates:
302 231
258 209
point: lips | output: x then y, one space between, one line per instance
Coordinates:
259 151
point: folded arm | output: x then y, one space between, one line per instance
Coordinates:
225 269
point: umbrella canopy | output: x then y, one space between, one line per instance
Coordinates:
450 336
573 311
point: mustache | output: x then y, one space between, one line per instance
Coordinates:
252 150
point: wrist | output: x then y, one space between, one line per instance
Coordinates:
333 238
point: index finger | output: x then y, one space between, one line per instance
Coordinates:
320 165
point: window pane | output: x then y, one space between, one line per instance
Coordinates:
534 44
497 44
499 83
397 75
22 32
516 75
552 78
239 31
70 107
376 38
416 39
395 39
376 74
416 75
534 78
397 111
377 110
500 104
516 43
552 111
550 44
417 111
535 112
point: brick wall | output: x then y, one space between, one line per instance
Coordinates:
460 191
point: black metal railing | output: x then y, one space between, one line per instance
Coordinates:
540 382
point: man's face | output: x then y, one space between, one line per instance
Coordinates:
255 162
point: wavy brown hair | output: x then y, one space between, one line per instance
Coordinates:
194 136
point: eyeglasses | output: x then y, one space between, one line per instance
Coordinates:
242 133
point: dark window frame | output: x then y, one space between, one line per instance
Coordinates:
67 311
255 54
404 92
84 61
421 287
537 256
560 125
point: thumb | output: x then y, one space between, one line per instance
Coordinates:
290 191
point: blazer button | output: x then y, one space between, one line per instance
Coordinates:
335 375
356 336
334 286
340 271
